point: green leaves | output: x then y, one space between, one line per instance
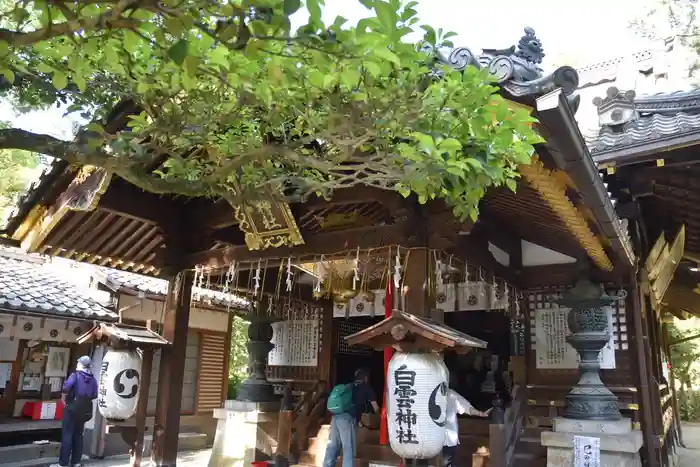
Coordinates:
178 51
60 80
291 6
316 110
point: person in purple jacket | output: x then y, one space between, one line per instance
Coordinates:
79 390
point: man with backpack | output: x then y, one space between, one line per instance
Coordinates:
79 390
347 403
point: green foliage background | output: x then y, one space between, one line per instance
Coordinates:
238 355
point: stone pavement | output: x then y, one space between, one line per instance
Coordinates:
185 459
690 457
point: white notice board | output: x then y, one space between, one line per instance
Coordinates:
551 349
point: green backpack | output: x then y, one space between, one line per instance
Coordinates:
340 399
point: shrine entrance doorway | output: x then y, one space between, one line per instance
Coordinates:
482 375
348 359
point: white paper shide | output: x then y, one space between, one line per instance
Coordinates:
120 381
416 404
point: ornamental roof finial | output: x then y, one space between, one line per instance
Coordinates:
530 47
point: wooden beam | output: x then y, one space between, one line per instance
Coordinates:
128 201
215 215
172 370
320 244
390 199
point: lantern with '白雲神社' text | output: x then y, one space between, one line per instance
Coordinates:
120 382
417 404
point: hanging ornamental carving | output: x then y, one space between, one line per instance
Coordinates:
516 69
84 192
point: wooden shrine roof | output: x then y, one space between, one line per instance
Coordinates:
407 332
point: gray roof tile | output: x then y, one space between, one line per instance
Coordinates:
644 130
34 287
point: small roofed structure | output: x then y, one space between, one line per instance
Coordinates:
410 333
123 335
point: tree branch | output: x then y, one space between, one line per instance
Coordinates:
15 138
80 154
111 19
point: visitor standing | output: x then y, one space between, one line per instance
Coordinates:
456 404
79 390
347 403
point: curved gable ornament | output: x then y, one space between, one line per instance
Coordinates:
516 69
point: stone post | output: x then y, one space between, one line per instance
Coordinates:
256 387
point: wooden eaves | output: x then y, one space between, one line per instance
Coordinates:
406 332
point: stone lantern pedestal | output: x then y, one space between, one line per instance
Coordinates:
591 408
246 429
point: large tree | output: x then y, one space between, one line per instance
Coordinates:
230 102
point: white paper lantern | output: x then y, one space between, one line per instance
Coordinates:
120 381
416 404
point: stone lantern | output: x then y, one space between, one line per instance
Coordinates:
588 323
592 426
256 387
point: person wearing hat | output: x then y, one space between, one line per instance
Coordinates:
79 390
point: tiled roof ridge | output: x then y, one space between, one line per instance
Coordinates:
653 128
31 286
21 255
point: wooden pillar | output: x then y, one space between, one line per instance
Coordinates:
142 408
641 342
172 369
672 384
227 355
415 281
651 349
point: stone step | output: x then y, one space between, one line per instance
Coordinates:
530 445
187 441
529 460
30 455
365 452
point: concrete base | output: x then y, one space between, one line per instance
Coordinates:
619 444
245 432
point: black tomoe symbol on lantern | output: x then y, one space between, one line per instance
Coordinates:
27 327
53 333
434 410
120 387
472 300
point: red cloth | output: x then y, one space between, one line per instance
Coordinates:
32 409
384 423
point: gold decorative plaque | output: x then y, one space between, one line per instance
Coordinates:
267 224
